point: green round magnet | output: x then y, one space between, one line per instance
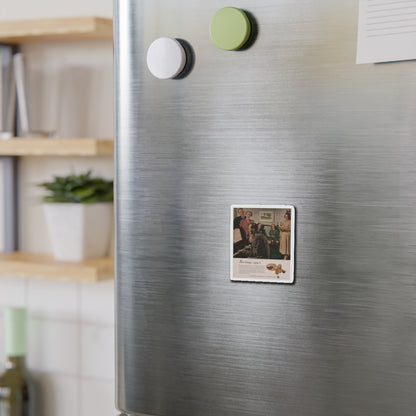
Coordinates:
230 28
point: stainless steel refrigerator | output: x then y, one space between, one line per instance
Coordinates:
287 120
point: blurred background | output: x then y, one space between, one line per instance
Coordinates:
70 324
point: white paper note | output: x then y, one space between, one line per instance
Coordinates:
386 31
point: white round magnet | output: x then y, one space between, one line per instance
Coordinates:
166 58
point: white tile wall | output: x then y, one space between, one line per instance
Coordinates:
54 347
90 390
12 291
97 352
97 302
70 343
53 298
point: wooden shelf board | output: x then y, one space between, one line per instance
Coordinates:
45 266
75 28
56 147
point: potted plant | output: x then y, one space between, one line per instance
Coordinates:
79 213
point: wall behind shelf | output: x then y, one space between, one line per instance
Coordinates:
71 324
27 9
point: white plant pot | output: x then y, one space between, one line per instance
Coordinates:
79 231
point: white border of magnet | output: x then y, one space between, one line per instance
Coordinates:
292 242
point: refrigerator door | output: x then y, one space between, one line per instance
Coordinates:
291 120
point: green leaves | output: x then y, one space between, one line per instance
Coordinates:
79 189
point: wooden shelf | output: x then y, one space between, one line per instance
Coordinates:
79 28
44 266
56 147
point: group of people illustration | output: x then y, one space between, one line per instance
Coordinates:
256 242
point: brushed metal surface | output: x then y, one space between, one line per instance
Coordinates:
292 120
